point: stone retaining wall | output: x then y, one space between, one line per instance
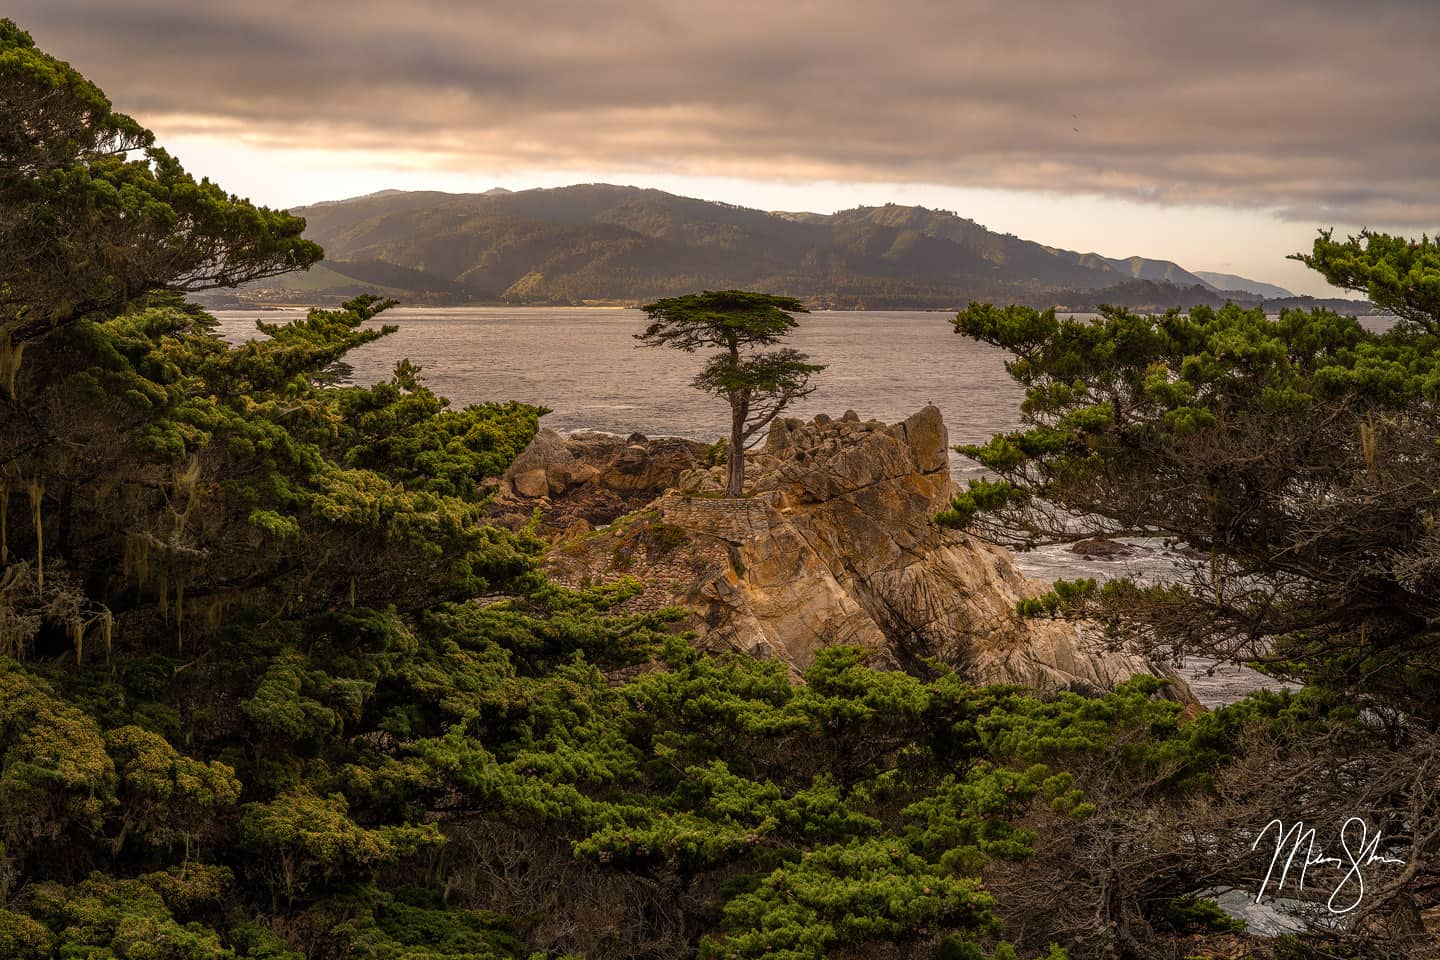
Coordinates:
737 521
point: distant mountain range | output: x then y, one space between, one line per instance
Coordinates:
598 243
1228 281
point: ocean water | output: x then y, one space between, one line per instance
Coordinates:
584 364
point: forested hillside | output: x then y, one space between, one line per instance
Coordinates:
598 242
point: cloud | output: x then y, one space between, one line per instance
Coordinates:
1323 112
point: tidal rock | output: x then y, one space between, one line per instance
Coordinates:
1101 548
633 467
650 466
595 447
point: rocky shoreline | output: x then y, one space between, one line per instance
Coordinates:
833 544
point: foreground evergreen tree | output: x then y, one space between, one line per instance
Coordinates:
94 215
1296 455
756 385
1295 458
148 472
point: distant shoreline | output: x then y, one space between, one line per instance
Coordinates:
1351 308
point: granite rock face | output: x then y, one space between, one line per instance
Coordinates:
590 476
553 464
835 545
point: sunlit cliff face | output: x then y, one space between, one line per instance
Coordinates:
1245 125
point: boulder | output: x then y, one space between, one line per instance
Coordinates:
650 466
583 473
626 468
531 483
1102 548
701 480
547 451
543 468
594 447
575 531
928 439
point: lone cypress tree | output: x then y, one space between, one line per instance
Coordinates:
757 385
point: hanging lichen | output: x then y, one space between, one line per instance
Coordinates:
1368 445
163 585
186 476
4 522
210 611
136 563
17 629
352 593
179 615
77 638
10 356
185 481
107 631
36 489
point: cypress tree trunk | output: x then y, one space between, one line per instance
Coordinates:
735 463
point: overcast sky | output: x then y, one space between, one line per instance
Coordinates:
1218 134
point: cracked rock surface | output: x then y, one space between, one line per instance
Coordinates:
835 545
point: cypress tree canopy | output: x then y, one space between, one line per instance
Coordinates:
93 214
1295 456
757 385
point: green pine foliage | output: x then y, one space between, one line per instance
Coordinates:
1293 455
85 192
859 807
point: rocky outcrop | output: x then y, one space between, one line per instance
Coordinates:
591 477
835 545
